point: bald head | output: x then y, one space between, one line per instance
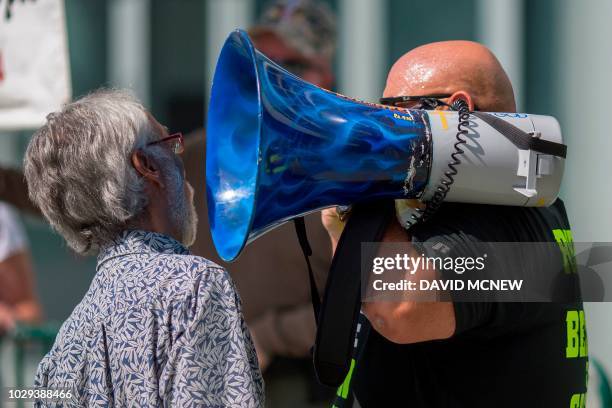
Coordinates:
461 68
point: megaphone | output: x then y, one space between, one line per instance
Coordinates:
279 147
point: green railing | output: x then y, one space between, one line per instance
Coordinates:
25 337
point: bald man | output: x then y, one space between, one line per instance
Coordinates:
453 354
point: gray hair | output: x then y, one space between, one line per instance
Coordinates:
79 172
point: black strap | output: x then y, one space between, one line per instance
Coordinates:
300 230
339 311
520 138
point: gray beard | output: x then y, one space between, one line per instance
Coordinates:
190 222
183 212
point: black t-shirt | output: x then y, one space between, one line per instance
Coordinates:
502 354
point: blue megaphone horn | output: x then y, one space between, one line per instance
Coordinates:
279 147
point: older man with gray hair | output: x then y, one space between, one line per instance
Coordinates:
158 326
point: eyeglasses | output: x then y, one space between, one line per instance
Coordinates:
429 102
175 141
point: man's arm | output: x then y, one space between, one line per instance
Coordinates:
410 321
287 332
407 321
18 301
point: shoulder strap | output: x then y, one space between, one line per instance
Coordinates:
520 138
300 230
337 319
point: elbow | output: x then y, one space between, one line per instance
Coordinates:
411 322
391 320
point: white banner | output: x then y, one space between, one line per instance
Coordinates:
34 69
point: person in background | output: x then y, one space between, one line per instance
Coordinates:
271 273
18 301
158 325
299 35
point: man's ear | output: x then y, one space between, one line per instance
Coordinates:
146 166
462 95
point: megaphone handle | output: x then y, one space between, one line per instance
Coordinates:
300 230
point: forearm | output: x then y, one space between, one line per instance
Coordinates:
17 288
414 316
28 311
287 333
411 322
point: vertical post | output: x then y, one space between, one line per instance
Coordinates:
19 345
129 59
222 17
362 48
500 27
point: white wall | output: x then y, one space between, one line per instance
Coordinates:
585 63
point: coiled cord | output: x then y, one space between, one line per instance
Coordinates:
432 206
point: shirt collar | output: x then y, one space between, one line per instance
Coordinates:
138 241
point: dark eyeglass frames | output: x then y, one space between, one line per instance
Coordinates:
417 102
427 102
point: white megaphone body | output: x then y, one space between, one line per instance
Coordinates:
279 147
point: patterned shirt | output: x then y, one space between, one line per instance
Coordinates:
157 327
